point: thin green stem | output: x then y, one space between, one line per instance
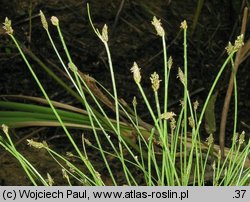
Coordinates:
56 114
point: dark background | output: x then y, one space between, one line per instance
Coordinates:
132 38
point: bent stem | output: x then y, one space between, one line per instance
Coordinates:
89 166
104 38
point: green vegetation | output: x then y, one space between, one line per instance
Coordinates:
167 152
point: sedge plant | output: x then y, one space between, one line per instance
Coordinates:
167 151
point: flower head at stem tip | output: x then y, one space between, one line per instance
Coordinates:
136 73
7 26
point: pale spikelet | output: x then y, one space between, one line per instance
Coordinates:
158 27
54 21
239 42
168 115
71 167
172 124
170 62
134 102
87 142
136 73
5 129
242 138
50 180
210 139
191 122
35 144
72 67
196 105
7 26
229 48
69 154
181 76
181 103
65 174
104 36
184 24
44 21
155 81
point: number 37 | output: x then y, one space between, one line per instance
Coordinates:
239 193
